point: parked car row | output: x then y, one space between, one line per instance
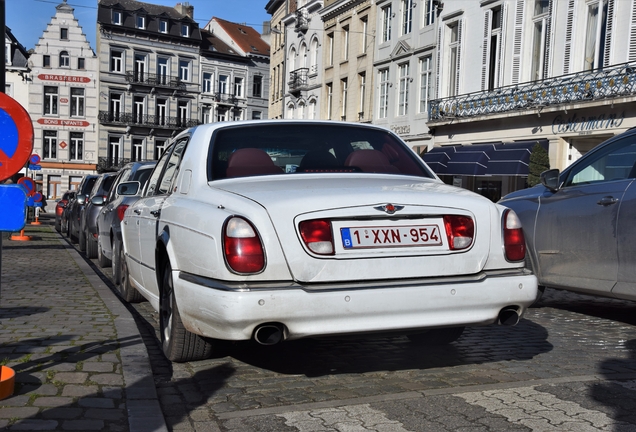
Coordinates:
91 215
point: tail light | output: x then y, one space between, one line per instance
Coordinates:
121 209
514 240
242 246
460 231
317 236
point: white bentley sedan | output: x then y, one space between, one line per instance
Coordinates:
278 230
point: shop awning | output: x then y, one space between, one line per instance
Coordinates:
470 159
512 159
437 159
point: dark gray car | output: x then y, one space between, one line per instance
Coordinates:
111 214
88 215
75 206
579 223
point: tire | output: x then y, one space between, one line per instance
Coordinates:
58 226
539 295
91 247
124 287
82 241
442 336
71 236
178 344
101 259
114 247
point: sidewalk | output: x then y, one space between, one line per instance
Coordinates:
79 359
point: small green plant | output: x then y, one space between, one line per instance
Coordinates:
26 358
539 162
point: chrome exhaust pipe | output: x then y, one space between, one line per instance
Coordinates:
269 334
508 316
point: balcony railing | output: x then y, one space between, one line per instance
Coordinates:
227 98
614 81
154 121
154 80
109 164
298 79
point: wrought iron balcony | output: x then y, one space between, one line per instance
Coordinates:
298 80
227 98
154 80
146 120
110 164
609 82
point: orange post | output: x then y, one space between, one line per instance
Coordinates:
20 237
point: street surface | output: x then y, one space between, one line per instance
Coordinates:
569 365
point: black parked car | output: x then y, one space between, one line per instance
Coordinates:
74 208
88 215
60 206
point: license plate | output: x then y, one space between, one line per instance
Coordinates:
404 235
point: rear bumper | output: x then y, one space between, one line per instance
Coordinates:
232 312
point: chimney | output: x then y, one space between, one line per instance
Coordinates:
185 8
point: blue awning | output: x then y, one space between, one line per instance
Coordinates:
437 159
470 160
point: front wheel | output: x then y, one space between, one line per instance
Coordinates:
91 247
101 259
124 287
82 241
441 336
179 344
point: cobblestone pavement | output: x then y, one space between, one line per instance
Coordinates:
570 364
79 360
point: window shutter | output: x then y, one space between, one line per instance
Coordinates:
502 45
485 48
608 33
567 55
632 34
460 37
516 49
548 42
438 66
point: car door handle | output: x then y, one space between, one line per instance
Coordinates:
156 213
607 201
137 211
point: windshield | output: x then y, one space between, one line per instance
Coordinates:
309 148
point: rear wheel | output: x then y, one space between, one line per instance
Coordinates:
91 247
442 336
71 234
101 259
124 287
179 345
82 241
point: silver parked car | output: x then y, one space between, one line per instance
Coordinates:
111 214
578 223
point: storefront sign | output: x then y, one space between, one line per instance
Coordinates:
401 130
64 78
63 122
584 125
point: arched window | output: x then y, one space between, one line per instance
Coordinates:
302 54
312 109
292 59
290 111
301 110
313 61
65 59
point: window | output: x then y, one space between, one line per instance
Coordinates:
596 33
301 110
206 114
426 85
50 100
291 61
223 80
54 186
207 83
257 115
386 23
184 70
238 114
344 90
312 109
76 147
77 102
429 13
137 153
329 100
540 36
163 26
162 70
65 59
495 49
161 111
140 22
49 144
160 148
139 109
74 182
221 115
345 43
364 40
139 68
362 81
314 57
405 79
614 163
257 86
46 61
454 46
114 150
185 30
290 111
116 61
115 106
238 87
81 63
383 105
183 111
117 18
407 16
64 33
330 49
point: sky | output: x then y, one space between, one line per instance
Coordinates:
28 19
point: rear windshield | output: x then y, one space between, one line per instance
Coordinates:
309 148
142 175
88 185
108 183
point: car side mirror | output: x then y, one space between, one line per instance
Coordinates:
81 199
128 188
550 179
98 200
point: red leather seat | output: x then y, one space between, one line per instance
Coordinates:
250 162
370 161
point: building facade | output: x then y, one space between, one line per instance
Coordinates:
149 72
17 77
560 73
62 103
278 9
